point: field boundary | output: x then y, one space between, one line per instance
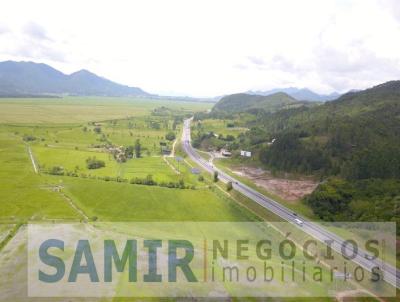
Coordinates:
73 205
35 168
170 165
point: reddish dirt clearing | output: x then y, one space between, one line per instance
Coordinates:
288 189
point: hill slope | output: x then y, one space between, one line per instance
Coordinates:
352 143
356 136
28 78
301 94
243 102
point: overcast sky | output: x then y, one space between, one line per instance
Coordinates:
208 48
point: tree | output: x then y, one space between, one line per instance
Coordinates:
229 186
129 151
138 149
56 170
215 176
93 163
29 138
149 180
170 136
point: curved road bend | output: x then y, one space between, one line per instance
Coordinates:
391 274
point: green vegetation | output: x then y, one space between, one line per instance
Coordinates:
216 134
148 187
361 200
24 195
170 136
355 138
215 177
84 109
79 162
93 163
242 102
111 201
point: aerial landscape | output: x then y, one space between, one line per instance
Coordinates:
165 151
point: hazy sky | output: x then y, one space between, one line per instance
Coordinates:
207 48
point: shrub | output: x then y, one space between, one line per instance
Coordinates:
170 136
56 170
215 176
93 163
29 138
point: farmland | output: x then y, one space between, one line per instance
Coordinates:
83 109
150 185
61 133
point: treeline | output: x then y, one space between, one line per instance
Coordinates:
147 181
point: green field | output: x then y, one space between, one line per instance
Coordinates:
62 133
25 195
224 127
84 109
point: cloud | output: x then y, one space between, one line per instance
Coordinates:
4 29
393 6
323 45
31 42
35 31
256 60
39 51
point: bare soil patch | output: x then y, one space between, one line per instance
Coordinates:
289 189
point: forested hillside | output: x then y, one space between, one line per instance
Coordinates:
357 136
353 143
243 102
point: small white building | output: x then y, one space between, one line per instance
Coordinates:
245 153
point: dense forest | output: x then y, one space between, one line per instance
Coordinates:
360 200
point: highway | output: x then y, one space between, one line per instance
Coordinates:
390 273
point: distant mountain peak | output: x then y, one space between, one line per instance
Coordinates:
83 71
30 78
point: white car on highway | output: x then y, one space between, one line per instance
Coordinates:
298 221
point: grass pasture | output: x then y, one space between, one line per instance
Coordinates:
25 195
70 140
221 127
85 109
111 201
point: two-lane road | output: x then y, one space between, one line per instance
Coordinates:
391 274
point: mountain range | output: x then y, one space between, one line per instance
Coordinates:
30 79
301 94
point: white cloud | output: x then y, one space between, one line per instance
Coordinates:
35 31
210 47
